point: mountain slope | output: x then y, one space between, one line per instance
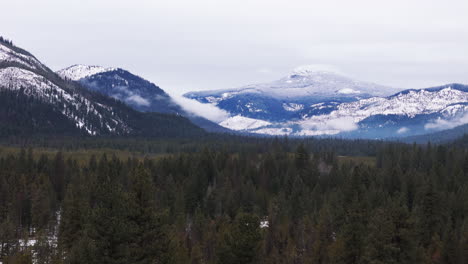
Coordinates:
133 90
124 86
311 103
405 113
52 105
304 92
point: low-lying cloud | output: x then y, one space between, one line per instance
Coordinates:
402 130
136 99
340 124
207 111
441 124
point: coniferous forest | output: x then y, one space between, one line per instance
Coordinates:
234 132
263 201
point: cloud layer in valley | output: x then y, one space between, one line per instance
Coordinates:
208 111
441 124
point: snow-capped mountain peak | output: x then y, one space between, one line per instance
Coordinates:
78 71
315 100
312 82
307 70
293 95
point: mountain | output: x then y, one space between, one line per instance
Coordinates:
317 103
304 92
35 100
133 90
410 112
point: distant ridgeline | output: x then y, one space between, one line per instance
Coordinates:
311 102
90 101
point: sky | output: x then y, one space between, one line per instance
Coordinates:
188 45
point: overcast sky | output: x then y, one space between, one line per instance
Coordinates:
184 45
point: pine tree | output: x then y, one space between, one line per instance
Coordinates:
42 202
353 234
241 243
302 157
430 215
108 233
74 215
149 241
324 239
58 176
392 237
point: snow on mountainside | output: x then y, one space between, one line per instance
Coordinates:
307 102
35 100
310 102
408 104
17 75
302 82
133 90
9 54
447 102
305 92
78 71
13 78
122 85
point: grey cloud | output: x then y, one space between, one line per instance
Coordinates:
185 45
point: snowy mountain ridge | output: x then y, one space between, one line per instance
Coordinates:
12 55
37 100
32 84
311 102
135 91
447 104
305 81
79 71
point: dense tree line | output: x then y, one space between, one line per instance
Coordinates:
6 41
280 205
215 142
23 115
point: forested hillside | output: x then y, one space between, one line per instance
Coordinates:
407 204
35 101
